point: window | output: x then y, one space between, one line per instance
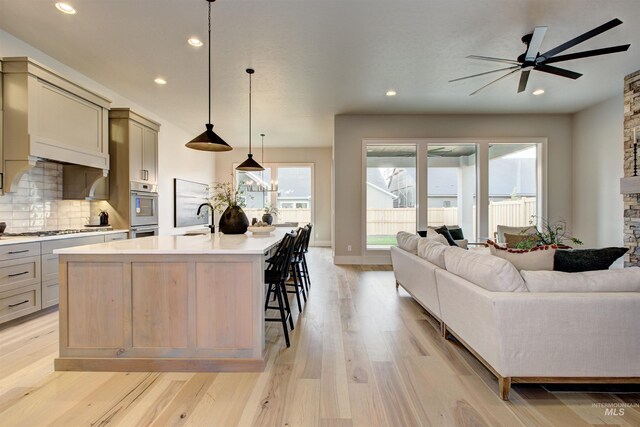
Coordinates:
513 185
390 193
452 186
289 188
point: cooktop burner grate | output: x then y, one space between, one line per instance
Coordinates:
44 233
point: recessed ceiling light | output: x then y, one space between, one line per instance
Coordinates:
160 81
65 8
391 92
194 41
538 92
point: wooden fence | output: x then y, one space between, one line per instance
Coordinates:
387 222
301 216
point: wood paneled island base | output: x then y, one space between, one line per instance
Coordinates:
164 303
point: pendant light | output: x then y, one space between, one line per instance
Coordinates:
208 140
250 164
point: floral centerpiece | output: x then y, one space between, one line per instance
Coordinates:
229 200
548 233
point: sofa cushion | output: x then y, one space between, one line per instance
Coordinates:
429 233
408 241
456 232
489 272
513 240
538 258
575 260
621 280
502 229
433 250
445 232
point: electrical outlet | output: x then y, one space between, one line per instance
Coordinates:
348 248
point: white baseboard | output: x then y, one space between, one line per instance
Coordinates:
322 244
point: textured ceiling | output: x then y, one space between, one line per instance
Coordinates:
318 58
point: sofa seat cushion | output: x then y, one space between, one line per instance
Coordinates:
575 260
489 272
538 258
622 280
433 250
408 241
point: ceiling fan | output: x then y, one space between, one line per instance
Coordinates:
533 60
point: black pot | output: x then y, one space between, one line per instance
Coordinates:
104 218
268 218
233 221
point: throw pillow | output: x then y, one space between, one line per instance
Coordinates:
620 280
576 260
456 232
502 229
429 233
445 232
488 272
408 241
538 258
433 251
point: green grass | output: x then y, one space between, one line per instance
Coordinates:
381 240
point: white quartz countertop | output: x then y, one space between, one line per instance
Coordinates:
211 244
12 240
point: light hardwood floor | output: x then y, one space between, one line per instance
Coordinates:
362 354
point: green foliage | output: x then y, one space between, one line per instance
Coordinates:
270 209
548 233
224 194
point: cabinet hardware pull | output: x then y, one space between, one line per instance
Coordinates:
17 274
17 252
18 303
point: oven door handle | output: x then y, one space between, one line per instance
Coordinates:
144 228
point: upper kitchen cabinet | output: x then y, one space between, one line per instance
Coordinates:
1 136
136 137
47 116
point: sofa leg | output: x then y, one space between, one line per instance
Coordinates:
504 386
443 330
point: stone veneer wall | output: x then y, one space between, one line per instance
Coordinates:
631 201
38 204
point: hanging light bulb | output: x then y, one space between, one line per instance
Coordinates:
250 164
209 140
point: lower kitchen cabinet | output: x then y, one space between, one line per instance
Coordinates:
19 302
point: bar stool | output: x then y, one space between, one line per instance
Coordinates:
305 251
275 277
296 270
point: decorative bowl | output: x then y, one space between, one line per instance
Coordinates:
261 230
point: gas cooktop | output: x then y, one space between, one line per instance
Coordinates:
44 233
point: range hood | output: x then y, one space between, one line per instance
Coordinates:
84 183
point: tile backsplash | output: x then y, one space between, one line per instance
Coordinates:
38 204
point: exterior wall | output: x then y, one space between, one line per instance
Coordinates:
631 201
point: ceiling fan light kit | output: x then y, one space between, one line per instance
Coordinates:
209 140
533 60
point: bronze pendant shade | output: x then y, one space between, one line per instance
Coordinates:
209 140
250 164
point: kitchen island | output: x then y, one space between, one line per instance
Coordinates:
165 303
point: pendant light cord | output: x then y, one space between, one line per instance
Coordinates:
209 61
249 113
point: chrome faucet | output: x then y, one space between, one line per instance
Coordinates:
212 226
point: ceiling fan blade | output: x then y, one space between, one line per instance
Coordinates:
557 71
524 78
494 81
586 36
489 58
587 53
534 44
487 72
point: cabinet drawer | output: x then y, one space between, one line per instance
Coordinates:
50 267
116 236
17 273
19 250
50 293
50 245
19 302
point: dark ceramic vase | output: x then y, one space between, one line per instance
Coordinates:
268 218
233 221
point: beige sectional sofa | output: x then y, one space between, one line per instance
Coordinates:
529 337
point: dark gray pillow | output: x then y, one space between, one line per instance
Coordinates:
575 260
456 233
445 232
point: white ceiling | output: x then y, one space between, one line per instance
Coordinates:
318 58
